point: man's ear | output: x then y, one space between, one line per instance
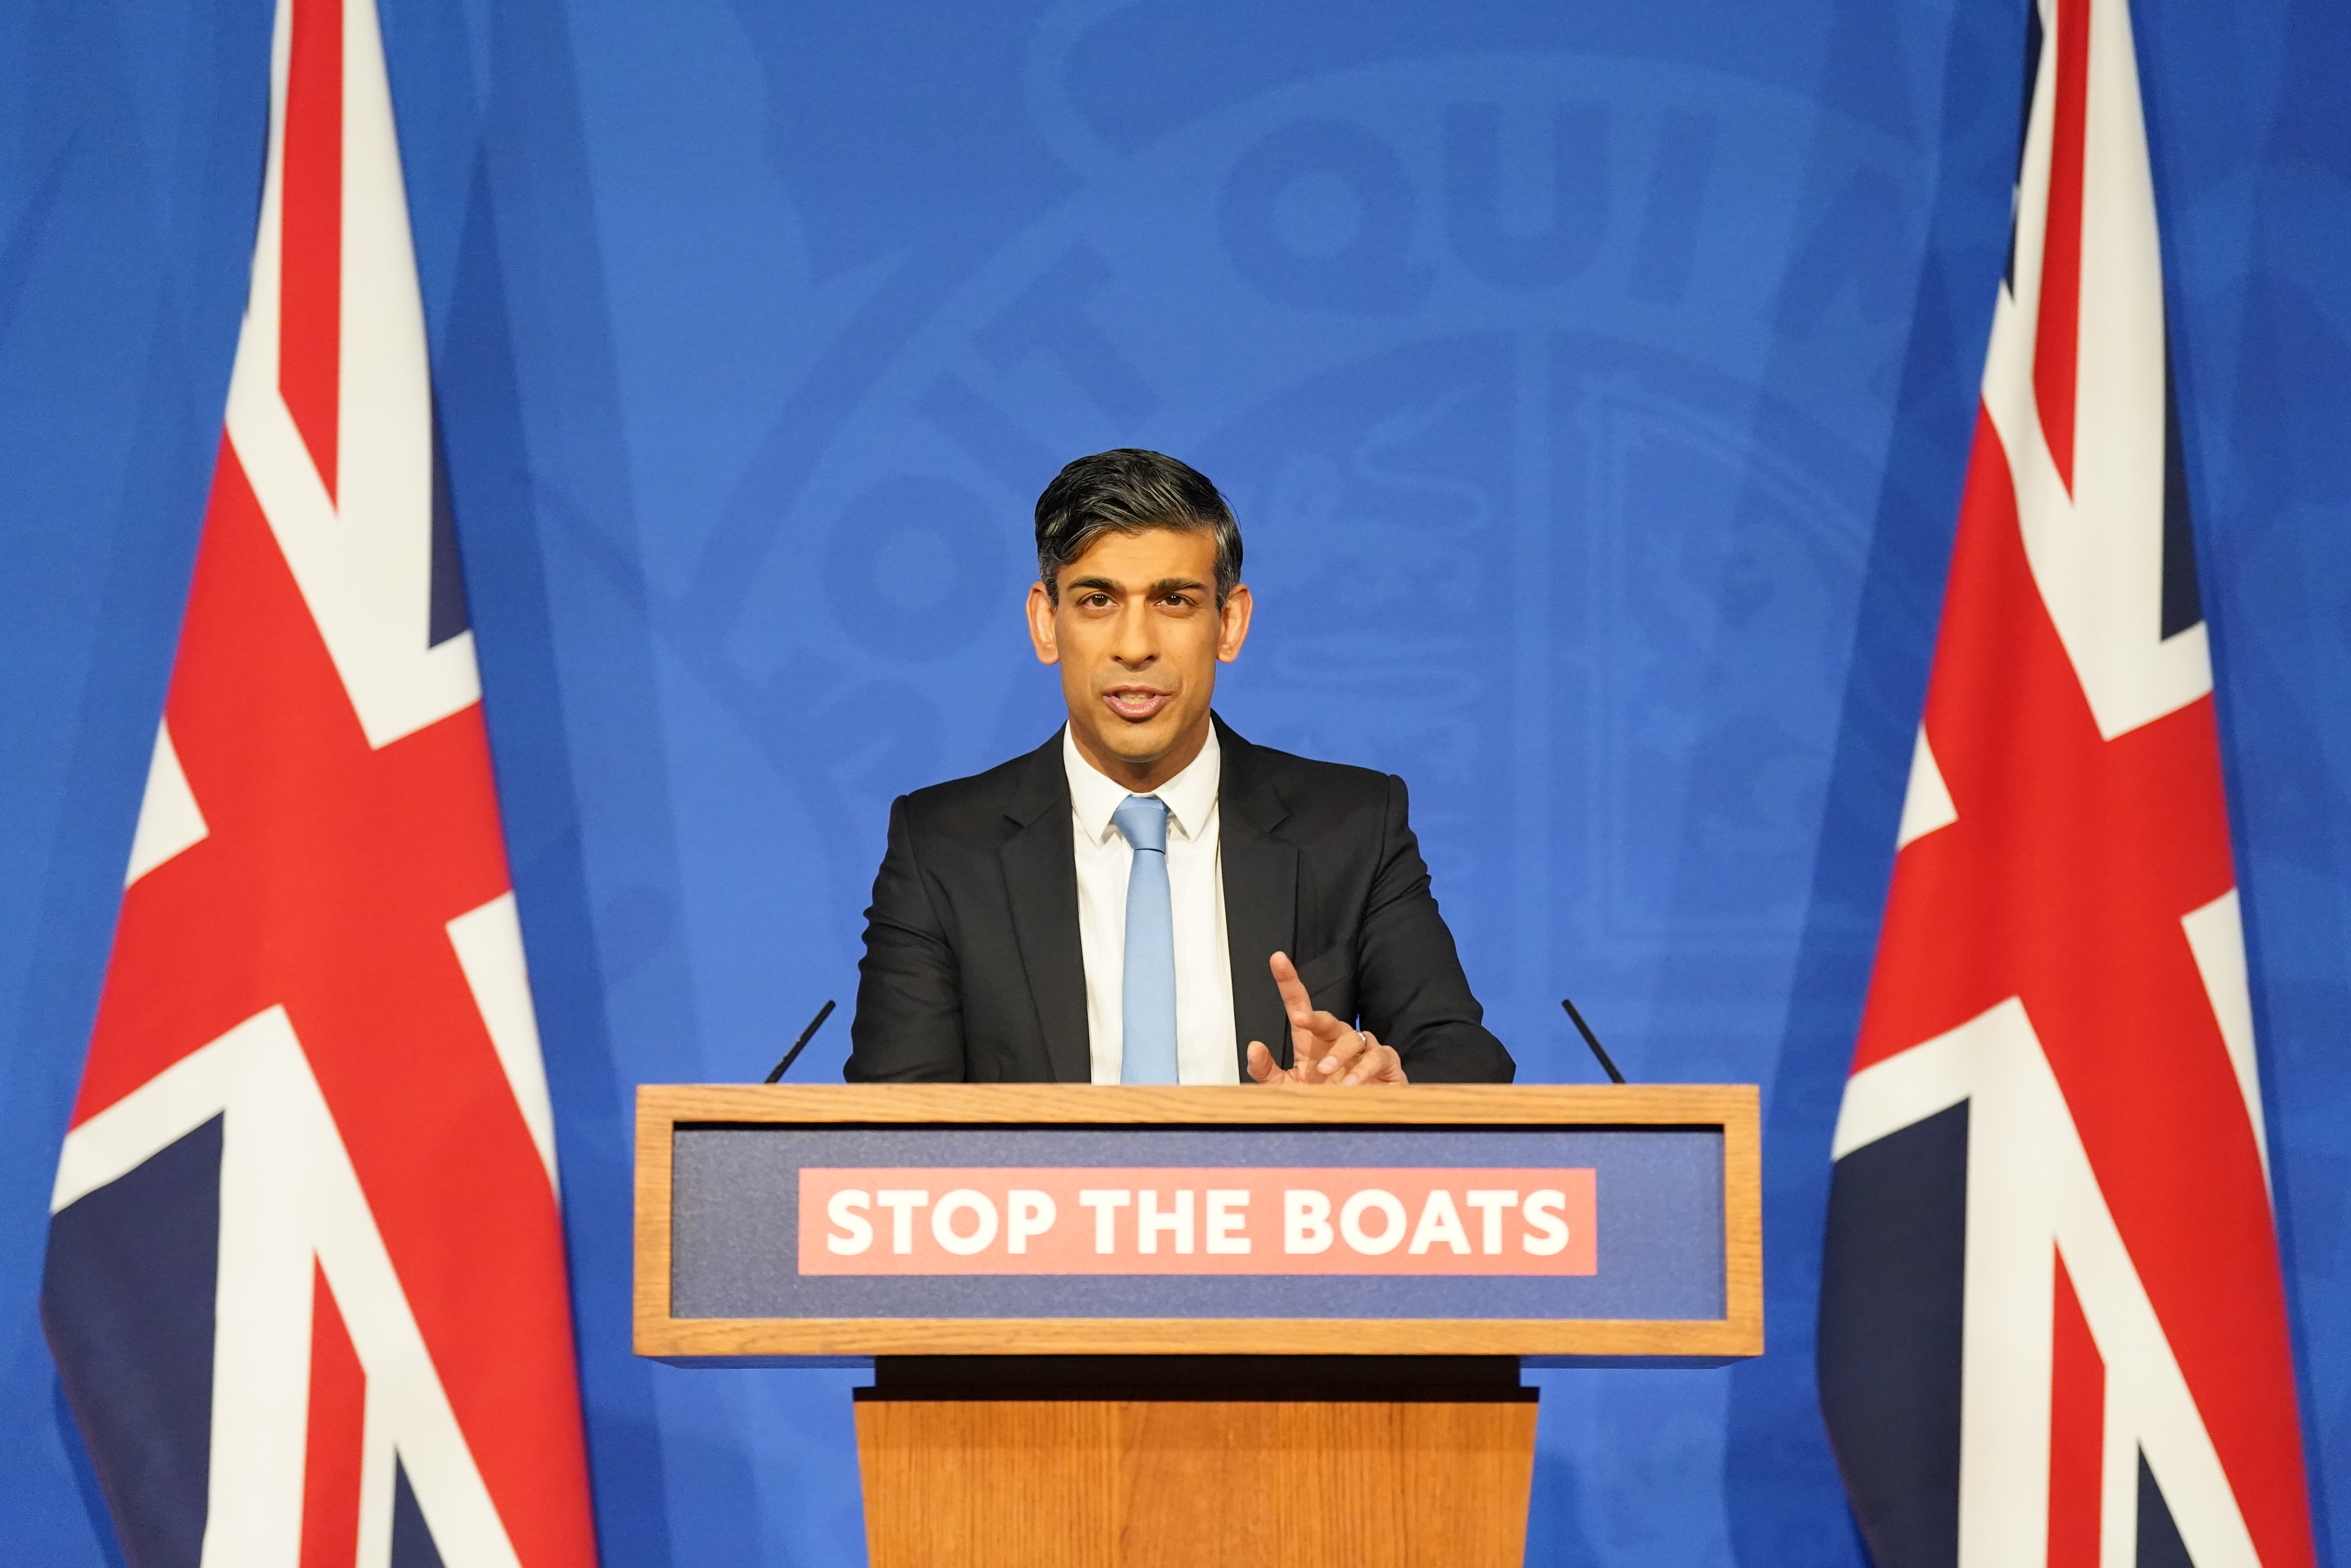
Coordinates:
1234 630
1041 626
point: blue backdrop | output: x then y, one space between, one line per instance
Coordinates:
1592 381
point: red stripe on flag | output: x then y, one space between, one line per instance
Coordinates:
310 265
2063 882
330 869
331 1456
325 884
2058 335
2077 1433
2073 857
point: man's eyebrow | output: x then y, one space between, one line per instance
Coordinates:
1164 586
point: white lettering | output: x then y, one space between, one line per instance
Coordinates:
1149 1222
1542 1213
1351 1221
1492 1202
983 1232
856 1233
1225 1218
1305 1221
1027 1212
901 1204
1105 1201
1439 1221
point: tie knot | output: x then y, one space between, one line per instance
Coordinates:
1142 821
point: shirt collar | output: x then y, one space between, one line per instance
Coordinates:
1190 797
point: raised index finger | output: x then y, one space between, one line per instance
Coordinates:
1295 999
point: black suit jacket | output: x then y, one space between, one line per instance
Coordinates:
974 972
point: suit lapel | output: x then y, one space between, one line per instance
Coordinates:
1040 880
1261 874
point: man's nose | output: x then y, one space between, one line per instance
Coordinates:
1136 643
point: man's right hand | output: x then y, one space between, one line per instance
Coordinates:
1322 1049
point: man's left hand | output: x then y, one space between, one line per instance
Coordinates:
1323 1049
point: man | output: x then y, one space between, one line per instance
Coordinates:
1119 904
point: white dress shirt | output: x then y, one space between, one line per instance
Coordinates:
1204 1042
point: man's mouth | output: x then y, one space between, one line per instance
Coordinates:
1137 702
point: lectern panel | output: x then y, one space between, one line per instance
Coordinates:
1305 1222
805 1224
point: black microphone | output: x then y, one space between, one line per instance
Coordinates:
816 1022
1581 1028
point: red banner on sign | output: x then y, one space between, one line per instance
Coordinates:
1082 1219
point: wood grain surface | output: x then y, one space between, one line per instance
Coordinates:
1134 1484
1568 1339
1732 1107
1113 1105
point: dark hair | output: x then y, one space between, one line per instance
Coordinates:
1125 492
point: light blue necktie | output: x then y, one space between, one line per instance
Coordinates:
1148 1016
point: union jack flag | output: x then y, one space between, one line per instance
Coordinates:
304 1283
2052 1326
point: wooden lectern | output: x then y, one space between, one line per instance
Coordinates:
1125 1327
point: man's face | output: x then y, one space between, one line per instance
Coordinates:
1138 636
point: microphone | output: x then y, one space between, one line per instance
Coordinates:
825 1012
1581 1028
